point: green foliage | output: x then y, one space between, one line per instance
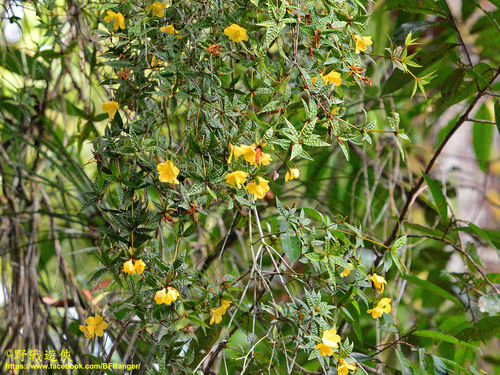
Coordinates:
268 175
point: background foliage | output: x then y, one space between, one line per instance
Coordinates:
398 176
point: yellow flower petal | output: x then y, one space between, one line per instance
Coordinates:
157 9
236 178
258 190
324 350
95 326
362 43
159 296
332 78
128 267
291 174
139 266
169 29
168 172
331 338
111 108
171 295
378 281
236 33
347 271
344 367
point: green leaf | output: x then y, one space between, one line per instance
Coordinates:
438 291
494 277
482 330
438 7
291 244
441 337
271 34
296 150
475 230
439 198
399 243
23 64
399 79
270 106
197 320
489 303
482 137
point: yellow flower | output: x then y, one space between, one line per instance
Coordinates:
236 33
168 172
248 153
344 367
139 266
95 326
169 29
378 281
384 306
111 108
265 159
331 338
155 64
291 174
231 153
329 341
347 270
332 78
218 312
118 17
159 296
236 178
157 9
166 296
324 349
259 191
362 42
252 154
128 267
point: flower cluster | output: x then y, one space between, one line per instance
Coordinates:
134 266
254 156
330 341
384 305
95 326
166 296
